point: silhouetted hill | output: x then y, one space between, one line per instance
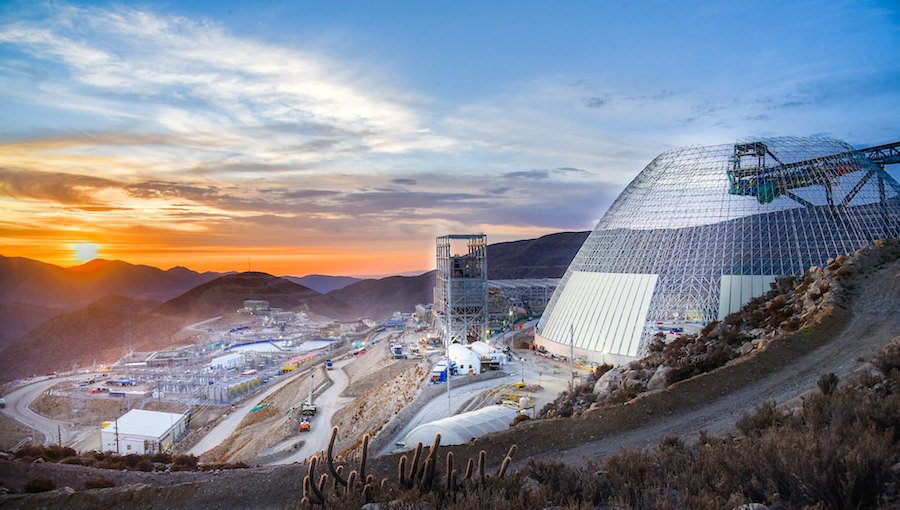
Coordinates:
29 281
228 293
379 299
545 257
322 283
98 333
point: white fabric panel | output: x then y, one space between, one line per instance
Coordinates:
736 290
607 311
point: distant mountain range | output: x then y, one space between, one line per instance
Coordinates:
29 281
48 327
323 283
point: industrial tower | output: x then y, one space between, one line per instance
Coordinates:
460 292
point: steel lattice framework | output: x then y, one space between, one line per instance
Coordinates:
702 229
461 290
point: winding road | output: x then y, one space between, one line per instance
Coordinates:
227 426
17 403
327 404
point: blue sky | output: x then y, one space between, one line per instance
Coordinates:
345 136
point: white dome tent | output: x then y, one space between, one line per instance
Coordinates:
467 362
460 428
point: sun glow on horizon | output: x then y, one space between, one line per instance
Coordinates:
85 252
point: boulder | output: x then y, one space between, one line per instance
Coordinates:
746 348
659 378
608 382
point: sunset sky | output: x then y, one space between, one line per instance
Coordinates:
343 137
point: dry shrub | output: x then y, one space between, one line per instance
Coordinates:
764 416
562 484
827 383
519 419
622 395
39 484
888 359
189 461
708 328
163 458
99 483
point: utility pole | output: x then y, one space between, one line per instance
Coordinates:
572 356
117 436
59 435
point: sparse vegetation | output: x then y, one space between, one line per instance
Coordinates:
39 484
98 483
130 462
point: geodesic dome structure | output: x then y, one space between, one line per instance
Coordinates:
702 230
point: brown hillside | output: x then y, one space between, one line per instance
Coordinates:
228 293
379 299
97 332
16 319
545 257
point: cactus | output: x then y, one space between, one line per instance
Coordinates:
414 467
401 471
432 455
365 455
312 492
330 455
428 468
421 471
351 481
506 461
481 476
335 485
449 471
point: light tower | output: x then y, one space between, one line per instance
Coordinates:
460 292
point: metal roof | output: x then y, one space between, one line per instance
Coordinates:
139 422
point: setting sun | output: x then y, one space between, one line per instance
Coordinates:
85 252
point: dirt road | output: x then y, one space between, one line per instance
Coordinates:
17 403
227 426
327 404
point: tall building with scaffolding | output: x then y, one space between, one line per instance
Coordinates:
460 292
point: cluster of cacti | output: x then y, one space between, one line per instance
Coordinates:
421 475
424 476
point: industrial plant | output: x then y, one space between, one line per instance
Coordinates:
702 230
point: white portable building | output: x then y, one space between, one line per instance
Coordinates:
467 362
488 353
140 431
460 428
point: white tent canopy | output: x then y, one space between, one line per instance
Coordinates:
460 428
466 361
